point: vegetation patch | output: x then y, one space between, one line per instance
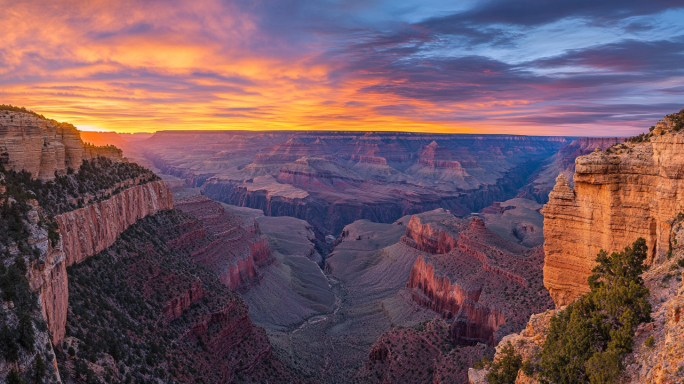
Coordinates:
68 192
587 340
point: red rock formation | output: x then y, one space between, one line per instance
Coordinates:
470 275
625 192
476 323
437 292
232 247
563 162
84 233
433 237
175 307
91 229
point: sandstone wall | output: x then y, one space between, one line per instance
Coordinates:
84 233
429 237
232 247
42 146
631 191
443 297
91 229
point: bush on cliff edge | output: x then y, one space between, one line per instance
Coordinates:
586 341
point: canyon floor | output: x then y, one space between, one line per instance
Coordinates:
325 317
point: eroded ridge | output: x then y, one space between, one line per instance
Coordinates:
231 246
488 285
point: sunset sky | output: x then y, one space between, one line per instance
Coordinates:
580 68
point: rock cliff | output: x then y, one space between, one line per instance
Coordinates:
527 344
488 284
144 308
85 232
44 147
656 362
231 246
630 190
89 230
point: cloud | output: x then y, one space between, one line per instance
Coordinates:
536 12
364 65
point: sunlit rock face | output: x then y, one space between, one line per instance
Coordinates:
44 147
631 190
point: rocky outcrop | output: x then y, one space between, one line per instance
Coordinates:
178 304
662 361
471 276
437 292
527 344
628 191
231 246
475 323
422 355
434 237
89 230
44 147
47 277
656 362
175 314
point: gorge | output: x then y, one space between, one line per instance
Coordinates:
311 257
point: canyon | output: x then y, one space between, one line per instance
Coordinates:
129 232
221 267
332 179
618 194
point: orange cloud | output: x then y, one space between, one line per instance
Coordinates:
132 66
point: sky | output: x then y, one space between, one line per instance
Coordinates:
533 67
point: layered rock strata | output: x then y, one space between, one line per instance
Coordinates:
563 162
488 284
657 362
628 191
89 230
332 179
194 328
231 246
44 147
527 344
85 232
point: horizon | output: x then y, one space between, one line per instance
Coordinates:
495 67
